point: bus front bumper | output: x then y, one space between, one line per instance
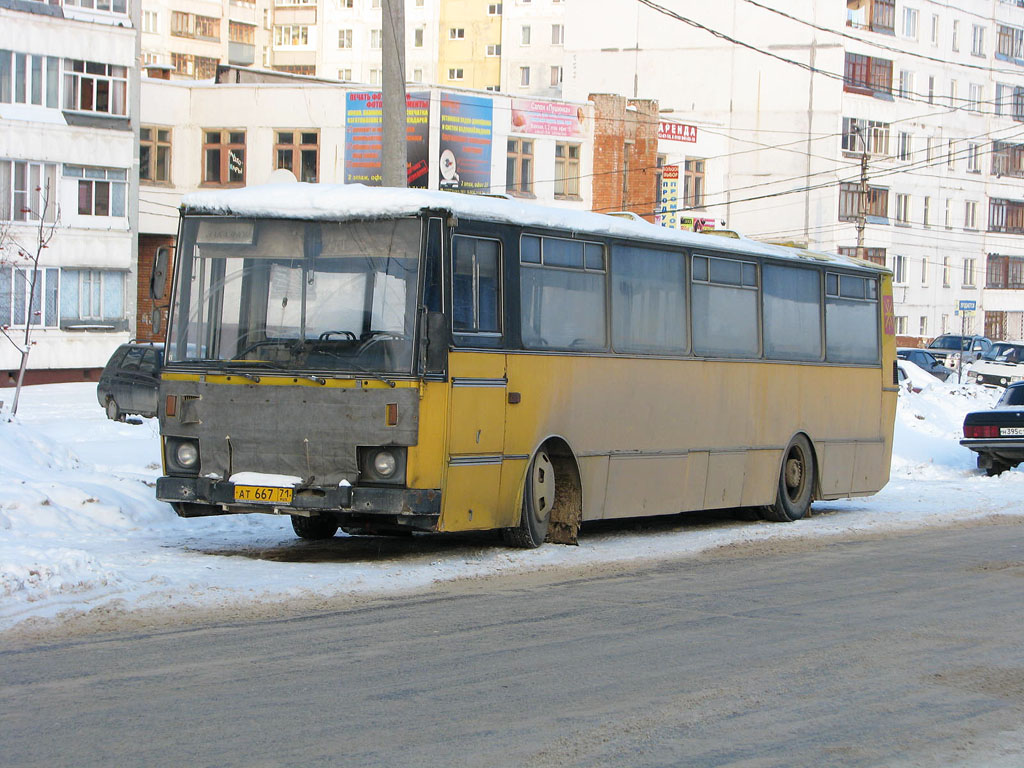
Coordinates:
217 497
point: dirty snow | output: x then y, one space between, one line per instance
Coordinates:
80 528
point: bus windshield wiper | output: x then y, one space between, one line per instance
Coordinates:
230 366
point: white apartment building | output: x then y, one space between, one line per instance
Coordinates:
929 96
68 147
532 47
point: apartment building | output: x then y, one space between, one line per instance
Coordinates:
69 92
885 128
533 47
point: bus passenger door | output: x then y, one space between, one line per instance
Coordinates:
477 377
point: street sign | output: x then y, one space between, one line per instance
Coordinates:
968 305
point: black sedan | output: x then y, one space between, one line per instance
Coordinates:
997 435
926 361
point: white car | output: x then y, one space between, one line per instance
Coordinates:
1005 366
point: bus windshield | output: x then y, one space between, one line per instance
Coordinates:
296 295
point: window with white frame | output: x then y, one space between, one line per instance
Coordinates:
344 38
291 35
955 42
971 214
524 76
969 271
494 49
902 209
567 169
556 76
948 218
899 268
22 304
28 190
906 86
344 74
91 295
923 326
924 270
978 40
947 268
557 34
101 191
524 34
903 152
494 9
109 6
935 29
973 157
375 76
456 33
93 87
417 75
375 38
455 73
910 23
417 37
953 93
975 96
926 212
29 79
150 21
901 325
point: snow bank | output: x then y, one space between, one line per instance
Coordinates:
80 527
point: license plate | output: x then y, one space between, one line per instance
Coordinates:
1011 431
260 494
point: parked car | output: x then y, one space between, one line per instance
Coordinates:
997 435
952 349
926 361
1002 365
130 382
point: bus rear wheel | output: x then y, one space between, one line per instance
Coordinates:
796 483
538 499
316 528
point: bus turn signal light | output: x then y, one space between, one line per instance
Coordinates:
391 414
171 405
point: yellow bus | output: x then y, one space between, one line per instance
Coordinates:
386 360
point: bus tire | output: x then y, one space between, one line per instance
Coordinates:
316 528
796 483
538 499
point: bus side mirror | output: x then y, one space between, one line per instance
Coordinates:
158 278
155 319
439 338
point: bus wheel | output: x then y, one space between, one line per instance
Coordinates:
538 499
314 528
796 483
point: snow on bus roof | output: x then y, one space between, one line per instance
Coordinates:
296 200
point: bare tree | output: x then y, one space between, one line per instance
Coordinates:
26 256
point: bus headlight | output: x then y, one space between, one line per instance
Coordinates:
384 464
182 455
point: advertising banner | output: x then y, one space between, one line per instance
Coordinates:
677 131
667 215
364 126
547 118
465 148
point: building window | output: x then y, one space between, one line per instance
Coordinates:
150 21
971 214
91 294
693 183
1007 159
868 75
21 305
876 203
953 97
973 158
417 75
1004 272
899 268
931 89
456 33
872 133
956 35
93 87
910 23
935 29
901 325
945 271
1009 42
922 328
524 34
1006 216
524 76
417 37
241 33
969 271
906 89
27 191
194 26
298 152
224 158
978 40
951 154
155 155
344 38
28 79
101 191
291 35
494 49
557 34
375 76
114 6
519 167
924 270
903 209
494 9
874 255
455 73
347 3
374 38
345 74
975 96
876 15
567 169
926 213
556 76
904 146
949 214
198 67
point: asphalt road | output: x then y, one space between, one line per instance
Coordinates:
895 651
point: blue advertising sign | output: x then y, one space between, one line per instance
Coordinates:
465 148
967 305
364 128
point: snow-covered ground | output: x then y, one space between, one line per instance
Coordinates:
80 528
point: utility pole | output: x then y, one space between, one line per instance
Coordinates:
394 157
862 207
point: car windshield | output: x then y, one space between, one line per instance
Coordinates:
1002 352
950 342
296 295
1013 395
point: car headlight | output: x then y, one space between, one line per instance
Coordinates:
972 374
384 464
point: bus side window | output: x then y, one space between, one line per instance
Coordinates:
432 272
475 285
